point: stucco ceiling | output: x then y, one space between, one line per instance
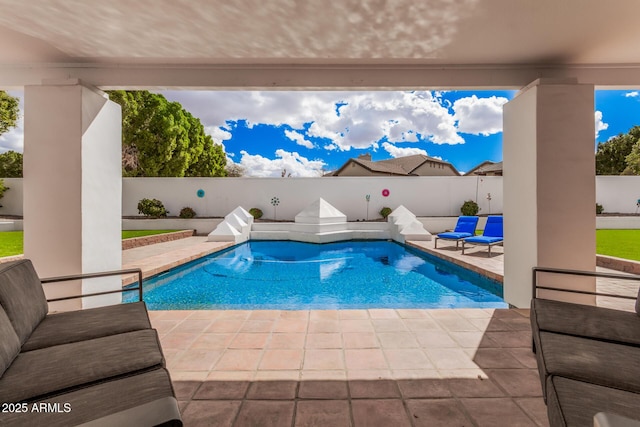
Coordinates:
445 33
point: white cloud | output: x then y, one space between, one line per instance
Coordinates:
633 94
256 165
479 116
298 138
217 133
13 140
401 152
600 125
364 117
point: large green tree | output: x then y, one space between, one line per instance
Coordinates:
611 156
11 165
633 161
160 138
8 111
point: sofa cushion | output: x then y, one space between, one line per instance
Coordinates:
38 373
97 401
9 342
597 362
586 321
574 403
73 326
22 297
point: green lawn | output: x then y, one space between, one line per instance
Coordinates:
619 243
11 241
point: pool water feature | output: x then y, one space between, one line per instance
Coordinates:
290 275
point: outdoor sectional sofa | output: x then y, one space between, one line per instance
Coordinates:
588 357
101 366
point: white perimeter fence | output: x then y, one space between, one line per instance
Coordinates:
424 196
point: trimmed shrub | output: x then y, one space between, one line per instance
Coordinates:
3 188
599 209
257 213
187 212
152 208
469 208
384 212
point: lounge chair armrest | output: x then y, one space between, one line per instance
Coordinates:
96 275
162 412
596 274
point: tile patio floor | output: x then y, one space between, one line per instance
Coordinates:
462 367
465 367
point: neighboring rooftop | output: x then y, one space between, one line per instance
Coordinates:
487 168
416 165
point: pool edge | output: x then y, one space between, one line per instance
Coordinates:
460 263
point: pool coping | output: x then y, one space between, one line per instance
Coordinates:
460 263
161 262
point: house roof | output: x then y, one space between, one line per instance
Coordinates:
403 166
486 167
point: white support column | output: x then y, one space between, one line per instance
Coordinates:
73 188
549 188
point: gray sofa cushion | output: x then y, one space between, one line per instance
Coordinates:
98 400
574 403
9 342
597 362
73 326
41 372
585 321
638 303
22 297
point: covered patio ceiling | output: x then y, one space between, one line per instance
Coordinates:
319 44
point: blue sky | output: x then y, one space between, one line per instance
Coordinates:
308 133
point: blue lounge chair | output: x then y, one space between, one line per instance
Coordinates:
466 227
492 235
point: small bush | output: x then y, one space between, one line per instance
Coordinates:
2 188
152 208
187 212
257 213
599 209
469 208
384 212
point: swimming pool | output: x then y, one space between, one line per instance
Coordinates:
290 275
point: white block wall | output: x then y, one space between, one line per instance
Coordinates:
429 196
425 196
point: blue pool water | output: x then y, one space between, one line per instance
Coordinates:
293 275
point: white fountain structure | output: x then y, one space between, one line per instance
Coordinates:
236 227
320 222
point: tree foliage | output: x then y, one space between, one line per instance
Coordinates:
11 165
633 161
3 188
612 156
160 138
9 111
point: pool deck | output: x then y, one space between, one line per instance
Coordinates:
154 259
348 367
345 367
